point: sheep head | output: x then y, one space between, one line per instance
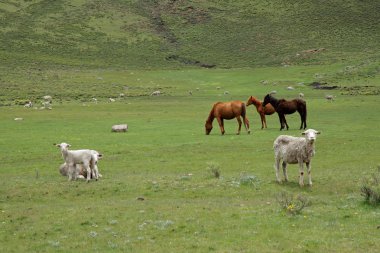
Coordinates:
62 145
311 135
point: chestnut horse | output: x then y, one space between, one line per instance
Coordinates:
262 110
227 110
283 107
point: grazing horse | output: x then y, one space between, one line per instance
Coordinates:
227 110
283 107
262 110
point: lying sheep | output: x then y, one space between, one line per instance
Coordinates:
156 93
119 128
84 156
295 150
29 104
79 168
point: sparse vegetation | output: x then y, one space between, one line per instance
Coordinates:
370 188
214 169
292 204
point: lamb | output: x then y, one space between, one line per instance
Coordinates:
295 150
79 168
84 156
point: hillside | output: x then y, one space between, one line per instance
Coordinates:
176 33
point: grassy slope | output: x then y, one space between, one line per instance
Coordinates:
75 50
136 34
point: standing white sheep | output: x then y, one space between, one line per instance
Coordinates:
295 150
79 168
73 157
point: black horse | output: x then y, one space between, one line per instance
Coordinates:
283 107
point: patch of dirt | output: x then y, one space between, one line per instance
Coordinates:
323 86
313 51
188 61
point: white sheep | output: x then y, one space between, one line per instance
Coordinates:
111 100
46 105
156 93
84 156
295 150
120 128
29 104
329 98
47 98
80 170
301 95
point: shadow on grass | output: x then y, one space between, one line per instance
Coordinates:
293 185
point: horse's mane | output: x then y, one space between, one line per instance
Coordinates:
211 115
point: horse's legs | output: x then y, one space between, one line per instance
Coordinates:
246 124
286 123
221 124
263 122
281 123
239 121
304 120
285 171
302 113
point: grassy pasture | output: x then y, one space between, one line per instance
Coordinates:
164 157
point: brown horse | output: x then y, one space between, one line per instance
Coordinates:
283 107
262 110
227 110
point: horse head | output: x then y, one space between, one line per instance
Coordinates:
208 127
249 102
267 99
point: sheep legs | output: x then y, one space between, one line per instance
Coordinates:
285 171
72 171
88 169
309 173
301 174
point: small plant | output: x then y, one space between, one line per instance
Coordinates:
248 180
214 169
292 205
370 188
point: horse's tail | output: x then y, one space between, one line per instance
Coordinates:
243 110
243 114
303 114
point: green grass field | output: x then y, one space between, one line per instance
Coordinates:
165 158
